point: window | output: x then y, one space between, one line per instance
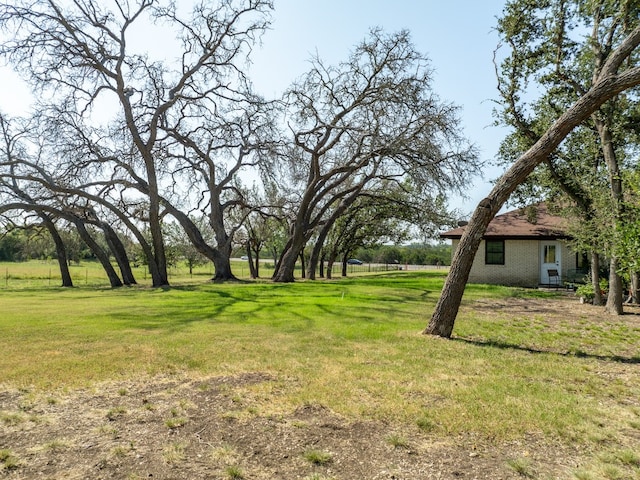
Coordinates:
494 252
549 254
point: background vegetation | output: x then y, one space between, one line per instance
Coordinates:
35 246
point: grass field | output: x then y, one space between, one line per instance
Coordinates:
352 345
45 273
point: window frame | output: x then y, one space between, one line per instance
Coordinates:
488 253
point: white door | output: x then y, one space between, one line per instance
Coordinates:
549 260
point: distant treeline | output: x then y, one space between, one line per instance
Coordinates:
414 254
33 243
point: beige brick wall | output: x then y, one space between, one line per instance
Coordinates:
521 266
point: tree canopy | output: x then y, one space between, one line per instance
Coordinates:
125 144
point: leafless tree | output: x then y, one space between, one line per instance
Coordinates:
82 60
371 117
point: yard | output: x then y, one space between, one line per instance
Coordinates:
314 380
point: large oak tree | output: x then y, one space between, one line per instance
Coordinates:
371 117
131 112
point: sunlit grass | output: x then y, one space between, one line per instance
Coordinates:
354 346
46 273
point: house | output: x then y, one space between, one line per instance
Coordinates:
525 247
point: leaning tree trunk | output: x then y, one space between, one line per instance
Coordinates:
221 256
331 260
120 253
61 251
608 85
102 256
252 267
330 268
314 258
324 231
285 268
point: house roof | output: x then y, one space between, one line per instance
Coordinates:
528 223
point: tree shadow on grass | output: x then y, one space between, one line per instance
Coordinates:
573 353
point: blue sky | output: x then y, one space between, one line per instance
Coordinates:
456 35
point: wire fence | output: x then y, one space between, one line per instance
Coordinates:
39 273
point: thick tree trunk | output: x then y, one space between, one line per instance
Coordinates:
102 256
157 261
222 265
61 251
312 268
444 315
614 299
161 277
300 232
609 85
287 261
120 254
154 272
331 260
284 272
222 257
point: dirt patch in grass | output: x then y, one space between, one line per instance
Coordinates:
565 316
180 427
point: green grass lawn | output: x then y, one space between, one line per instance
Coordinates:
353 345
45 273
